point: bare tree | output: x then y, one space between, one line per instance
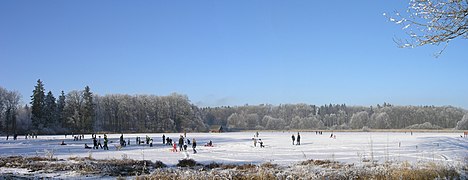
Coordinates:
433 22
12 100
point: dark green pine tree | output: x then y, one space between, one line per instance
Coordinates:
50 111
88 110
37 106
62 119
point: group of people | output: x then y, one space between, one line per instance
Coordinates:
259 141
15 136
183 143
296 139
97 142
122 142
78 138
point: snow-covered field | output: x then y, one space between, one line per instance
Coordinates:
237 147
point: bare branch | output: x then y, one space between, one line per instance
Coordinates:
432 22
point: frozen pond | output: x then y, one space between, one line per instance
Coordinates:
238 147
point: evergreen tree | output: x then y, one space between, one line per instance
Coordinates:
60 110
37 106
50 110
88 110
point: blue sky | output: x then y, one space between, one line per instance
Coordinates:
227 52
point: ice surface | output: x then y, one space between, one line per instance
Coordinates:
238 147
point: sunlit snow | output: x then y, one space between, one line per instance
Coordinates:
238 147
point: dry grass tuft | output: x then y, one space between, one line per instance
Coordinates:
269 165
213 165
317 162
82 165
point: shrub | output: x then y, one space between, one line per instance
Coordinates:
187 163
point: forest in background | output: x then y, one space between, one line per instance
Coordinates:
81 111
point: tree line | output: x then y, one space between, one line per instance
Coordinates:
82 111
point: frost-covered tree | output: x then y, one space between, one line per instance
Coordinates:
3 92
236 121
11 102
433 21
252 120
360 119
74 110
24 119
380 120
274 123
463 123
296 123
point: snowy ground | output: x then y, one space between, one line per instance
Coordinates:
350 147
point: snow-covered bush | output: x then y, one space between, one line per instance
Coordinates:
426 125
365 129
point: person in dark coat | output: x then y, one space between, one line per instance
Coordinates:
293 138
122 140
105 142
181 143
164 139
298 141
194 145
95 142
86 146
168 142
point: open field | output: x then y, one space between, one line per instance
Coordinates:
237 148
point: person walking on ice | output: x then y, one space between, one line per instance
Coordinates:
95 145
194 145
181 143
298 141
99 142
105 142
293 139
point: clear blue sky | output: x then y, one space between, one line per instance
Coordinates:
227 52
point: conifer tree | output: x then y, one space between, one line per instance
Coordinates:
50 110
60 110
37 106
88 110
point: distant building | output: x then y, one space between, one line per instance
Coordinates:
216 129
